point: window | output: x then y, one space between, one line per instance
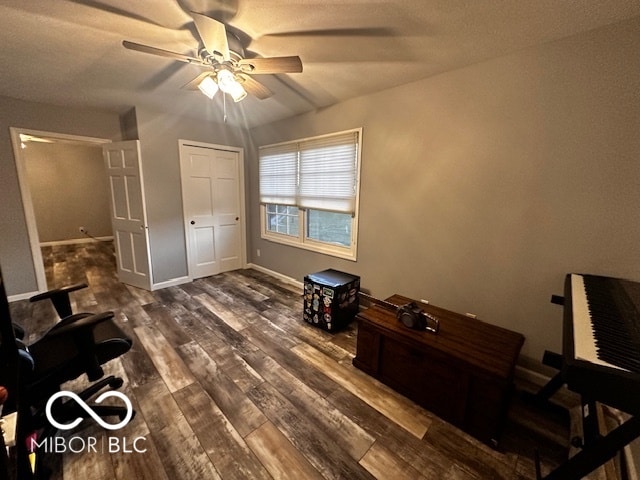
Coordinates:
330 227
282 219
309 193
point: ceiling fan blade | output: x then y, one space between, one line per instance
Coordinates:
193 84
338 32
213 35
255 88
115 10
268 65
160 52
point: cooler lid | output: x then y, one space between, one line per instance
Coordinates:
332 278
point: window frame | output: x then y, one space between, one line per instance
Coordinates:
302 240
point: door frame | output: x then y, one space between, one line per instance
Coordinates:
25 190
243 224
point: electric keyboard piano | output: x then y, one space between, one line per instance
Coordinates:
601 340
601 362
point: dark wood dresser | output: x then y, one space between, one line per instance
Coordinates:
463 374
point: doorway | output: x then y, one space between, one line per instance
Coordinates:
212 178
34 196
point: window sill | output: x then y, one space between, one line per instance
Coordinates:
317 247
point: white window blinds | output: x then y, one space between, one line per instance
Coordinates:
279 174
325 175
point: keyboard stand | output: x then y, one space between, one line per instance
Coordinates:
596 449
596 452
556 361
553 360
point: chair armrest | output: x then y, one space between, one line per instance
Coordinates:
60 298
58 291
78 322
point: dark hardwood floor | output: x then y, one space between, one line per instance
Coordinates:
229 382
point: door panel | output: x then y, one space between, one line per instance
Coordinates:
128 214
205 246
211 199
118 197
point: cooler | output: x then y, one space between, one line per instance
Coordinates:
330 299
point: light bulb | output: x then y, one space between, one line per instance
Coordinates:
237 92
208 87
228 84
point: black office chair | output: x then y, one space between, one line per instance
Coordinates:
93 339
77 345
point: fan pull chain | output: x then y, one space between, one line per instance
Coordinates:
224 108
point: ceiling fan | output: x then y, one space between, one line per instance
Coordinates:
223 58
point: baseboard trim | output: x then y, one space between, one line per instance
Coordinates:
21 296
521 373
170 283
531 376
76 240
279 276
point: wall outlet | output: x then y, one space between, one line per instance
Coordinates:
258 252
82 230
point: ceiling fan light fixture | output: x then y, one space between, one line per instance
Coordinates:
208 87
228 84
238 93
223 57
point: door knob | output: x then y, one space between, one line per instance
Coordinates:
237 218
193 222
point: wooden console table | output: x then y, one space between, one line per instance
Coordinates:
463 374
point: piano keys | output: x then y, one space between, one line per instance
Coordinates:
606 321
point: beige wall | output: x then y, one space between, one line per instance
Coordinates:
68 184
482 187
15 252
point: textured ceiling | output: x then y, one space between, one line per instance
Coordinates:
69 52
